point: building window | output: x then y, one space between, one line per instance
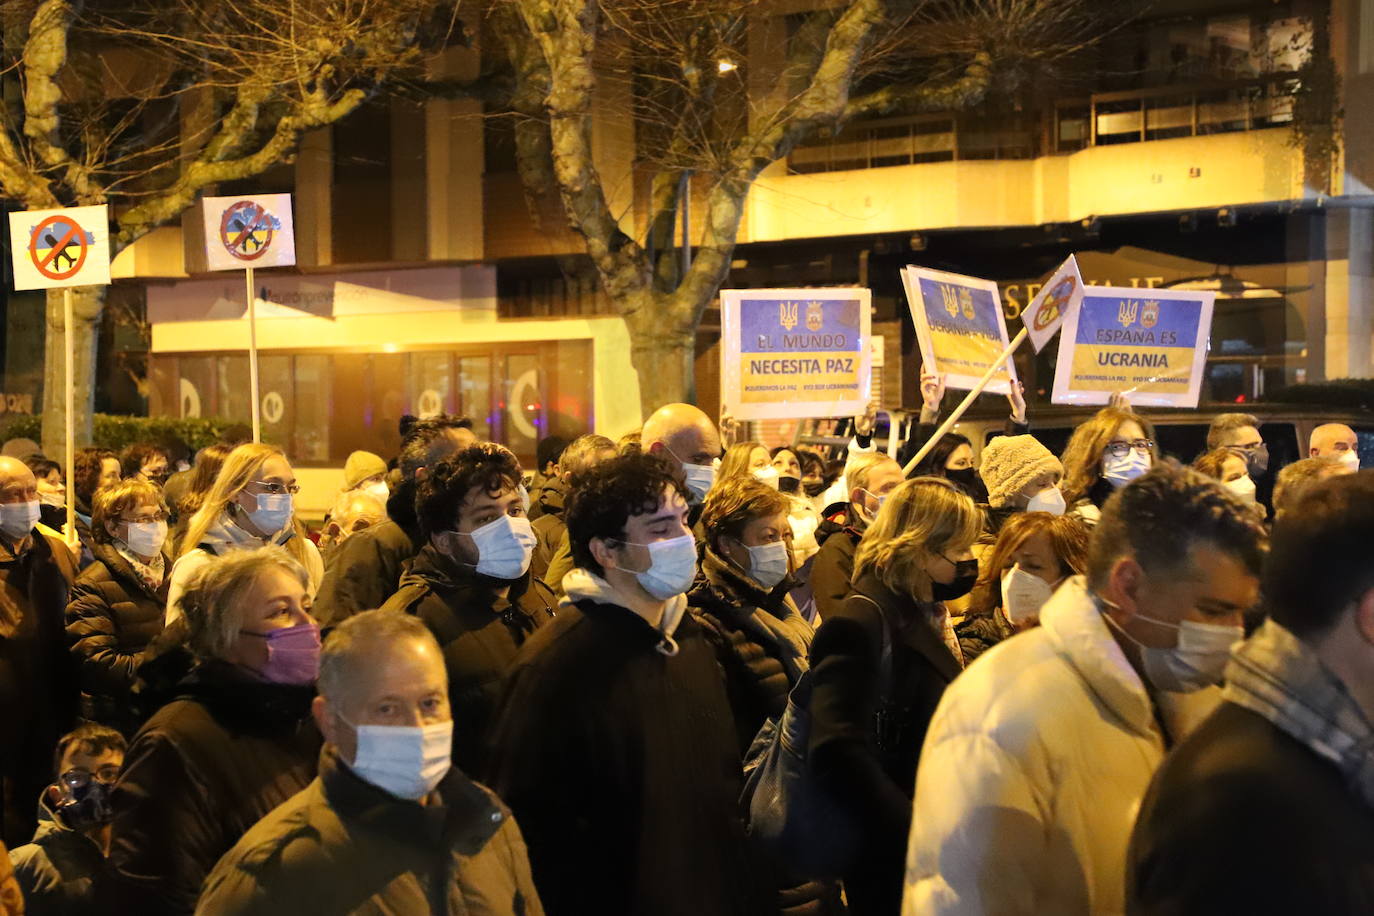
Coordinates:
320 406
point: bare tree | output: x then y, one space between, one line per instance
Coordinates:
696 114
145 105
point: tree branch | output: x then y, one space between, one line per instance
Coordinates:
969 89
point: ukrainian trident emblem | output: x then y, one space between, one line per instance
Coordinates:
787 315
1128 312
1149 316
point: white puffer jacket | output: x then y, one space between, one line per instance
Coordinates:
1033 770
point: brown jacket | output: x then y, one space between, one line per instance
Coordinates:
342 845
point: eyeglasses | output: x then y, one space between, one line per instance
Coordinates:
78 777
271 486
1121 449
1247 448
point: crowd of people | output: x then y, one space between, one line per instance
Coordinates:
683 674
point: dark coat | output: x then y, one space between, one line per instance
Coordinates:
364 572
345 846
866 735
642 816
38 692
1243 818
199 774
112 618
479 633
832 568
760 667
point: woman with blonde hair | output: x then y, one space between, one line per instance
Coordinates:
1104 454
745 458
250 505
879 667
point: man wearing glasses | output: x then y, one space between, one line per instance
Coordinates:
1240 433
60 871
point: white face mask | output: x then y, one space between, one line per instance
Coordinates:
273 512
1198 661
672 567
1050 499
698 477
864 512
1121 471
17 519
406 760
1350 458
768 563
146 538
504 546
768 475
378 489
1024 594
58 499
1243 487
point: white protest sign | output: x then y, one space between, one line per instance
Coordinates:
51 249
249 231
1059 296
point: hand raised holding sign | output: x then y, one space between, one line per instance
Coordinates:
1016 397
865 422
1119 401
932 393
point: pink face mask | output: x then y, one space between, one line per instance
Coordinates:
293 654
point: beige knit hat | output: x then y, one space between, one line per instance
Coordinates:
360 466
1011 462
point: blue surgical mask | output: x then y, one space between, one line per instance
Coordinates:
273 512
1121 471
768 563
672 567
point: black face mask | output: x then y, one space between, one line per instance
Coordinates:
814 488
1257 461
967 479
789 484
965 576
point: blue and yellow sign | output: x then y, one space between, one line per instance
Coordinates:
1150 344
795 353
960 326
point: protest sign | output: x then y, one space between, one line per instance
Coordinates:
53 249
960 327
1059 296
248 231
1150 344
795 352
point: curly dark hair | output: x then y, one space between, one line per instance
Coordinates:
606 498
1160 516
135 456
89 461
1319 562
441 494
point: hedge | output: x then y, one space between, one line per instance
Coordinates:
115 432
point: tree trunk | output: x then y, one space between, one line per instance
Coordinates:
87 304
663 353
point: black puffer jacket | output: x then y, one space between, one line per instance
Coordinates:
759 638
205 768
480 634
112 617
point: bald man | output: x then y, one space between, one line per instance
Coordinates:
1335 440
684 437
356 510
37 688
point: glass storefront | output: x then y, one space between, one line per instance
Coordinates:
320 406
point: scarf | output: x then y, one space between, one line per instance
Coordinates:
581 585
150 574
1275 675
